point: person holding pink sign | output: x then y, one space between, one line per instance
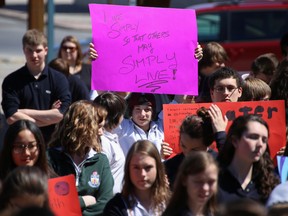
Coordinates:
141 124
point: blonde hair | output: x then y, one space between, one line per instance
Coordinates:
34 37
255 89
78 130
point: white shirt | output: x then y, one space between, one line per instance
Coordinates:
112 149
78 167
128 133
139 210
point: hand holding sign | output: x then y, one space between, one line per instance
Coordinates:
63 196
273 112
219 121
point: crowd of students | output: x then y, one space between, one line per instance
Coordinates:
114 144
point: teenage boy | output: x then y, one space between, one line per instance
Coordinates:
225 85
35 91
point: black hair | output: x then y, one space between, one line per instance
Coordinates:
225 73
135 99
115 106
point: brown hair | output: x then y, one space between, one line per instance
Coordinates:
279 83
135 99
74 40
263 169
254 89
266 64
6 161
34 37
115 106
225 73
199 126
193 164
240 207
60 65
212 52
160 189
82 118
278 209
24 180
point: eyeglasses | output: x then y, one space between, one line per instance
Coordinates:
19 148
69 49
222 89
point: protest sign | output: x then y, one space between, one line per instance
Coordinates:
273 112
63 196
144 49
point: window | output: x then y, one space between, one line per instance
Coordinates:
209 27
257 25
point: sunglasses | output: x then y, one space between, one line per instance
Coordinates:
68 48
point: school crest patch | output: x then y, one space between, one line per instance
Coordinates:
94 180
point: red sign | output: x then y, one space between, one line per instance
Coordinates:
63 196
273 112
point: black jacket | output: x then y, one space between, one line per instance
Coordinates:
116 206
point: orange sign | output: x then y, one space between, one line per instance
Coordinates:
63 196
273 112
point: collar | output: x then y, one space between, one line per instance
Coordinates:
109 135
90 154
44 73
153 125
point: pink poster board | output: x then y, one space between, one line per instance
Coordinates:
144 49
